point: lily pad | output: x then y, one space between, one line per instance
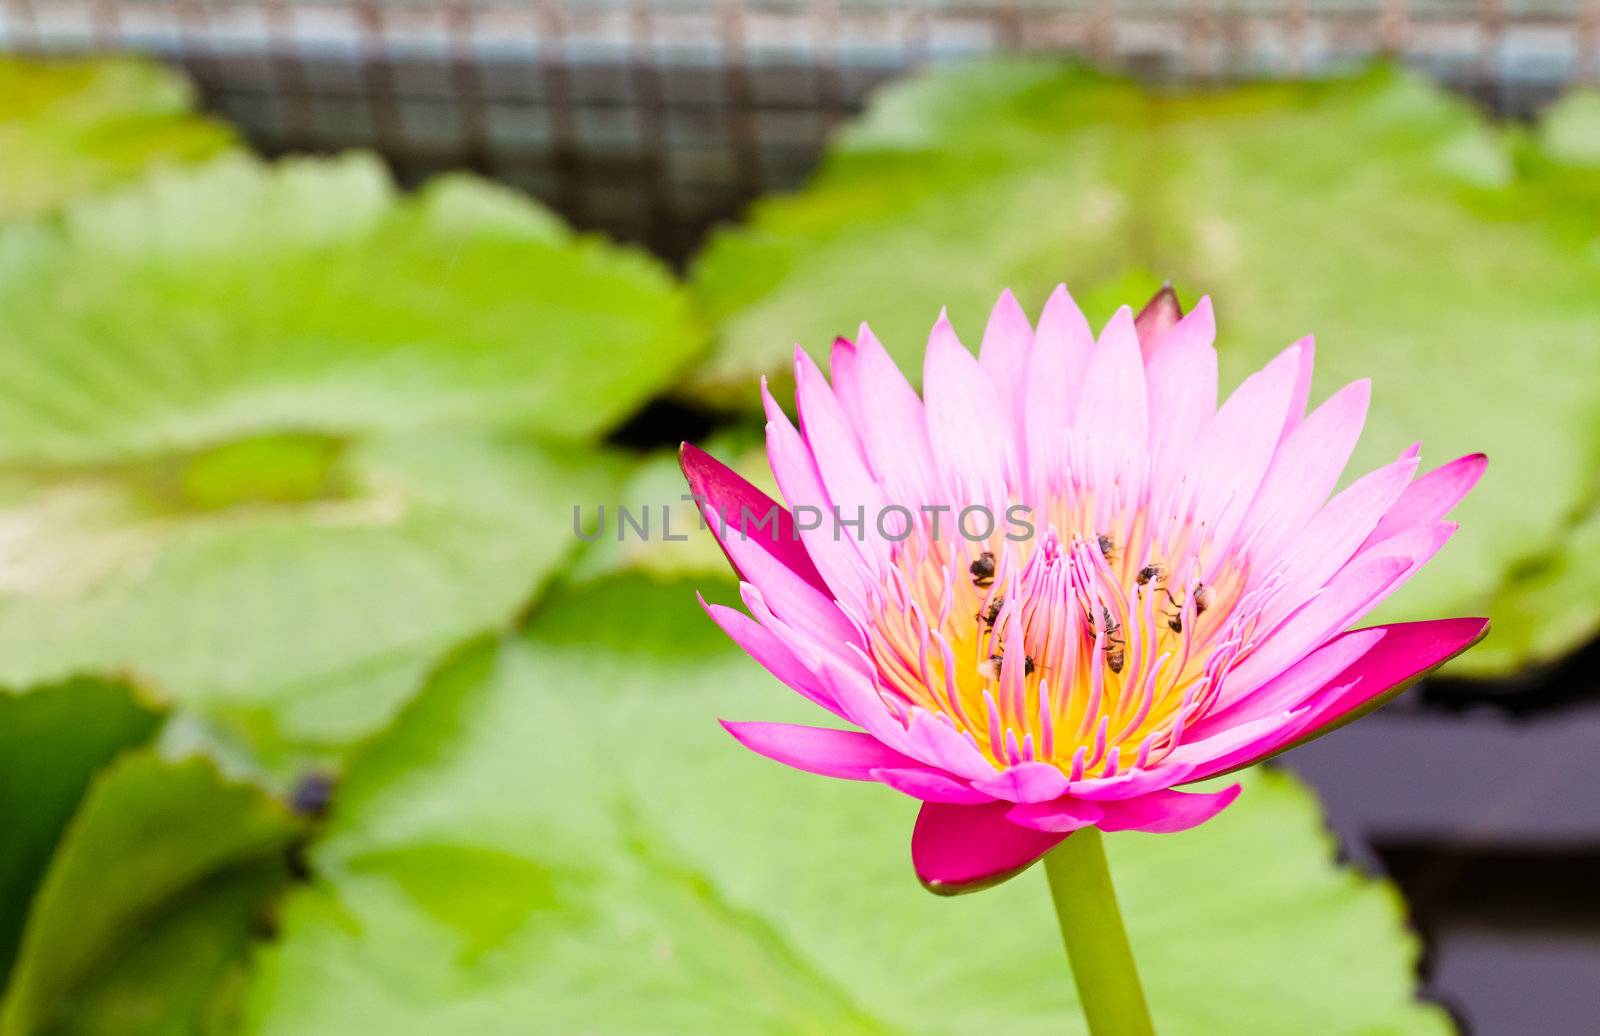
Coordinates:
74 125
557 837
275 437
1376 211
146 864
52 741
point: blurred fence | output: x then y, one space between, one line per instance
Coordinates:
652 119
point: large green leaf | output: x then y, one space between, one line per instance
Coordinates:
264 433
1376 212
52 741
157 879
68 126
557 837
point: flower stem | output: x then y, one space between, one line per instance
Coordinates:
1097 945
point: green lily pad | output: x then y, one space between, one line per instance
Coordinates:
52 741
1376 212
557 837
275 437
76 125
156 878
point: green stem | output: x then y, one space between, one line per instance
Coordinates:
1097 945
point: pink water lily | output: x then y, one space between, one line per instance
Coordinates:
1063 583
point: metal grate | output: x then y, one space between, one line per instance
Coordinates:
652 120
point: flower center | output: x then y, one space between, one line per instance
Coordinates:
1086 648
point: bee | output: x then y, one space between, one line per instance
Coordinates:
1175 622
1202 598
989 668
1115 649
1108 546
992 615
1150 573
983 569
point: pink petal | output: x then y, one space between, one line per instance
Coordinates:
969 445
1431 496
1025 782
838 557
1306 469
1160 315
887 415
959 849
1111 423
837 454
1232 453
1166 812
1007 340
1302 385
1061 348
720 491
1406 652
931 786
848 754
1061 816
1182 380
769 650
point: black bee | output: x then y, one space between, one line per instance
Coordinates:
1202 598
1116 651
989 668
992 614
983 569
1108 546
1150 573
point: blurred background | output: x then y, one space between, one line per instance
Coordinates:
320 321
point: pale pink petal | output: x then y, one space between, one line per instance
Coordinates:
1025 782
970 446
1111 425
1431 496
1061 816
1182 382
1349 595
730 503
1007 340
1061 348
1306 469
1302 385
1166 812
848 754
935 741
957 849
1232 453
773 654
887 415
1286 691
931 786
836 451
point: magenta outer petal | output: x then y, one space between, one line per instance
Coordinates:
931 786
722 492
774 655
849 754
1407 652
1165 812
959 849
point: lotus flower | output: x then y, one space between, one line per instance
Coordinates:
1063 583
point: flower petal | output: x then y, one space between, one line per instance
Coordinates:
1406 652
848 754
774 655
931 786
958 849
1166 812
1431 496
1158 316
887 415
1007 340
731 503
1060 816
969 445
